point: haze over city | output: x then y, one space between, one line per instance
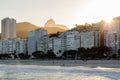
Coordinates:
60 40
67 12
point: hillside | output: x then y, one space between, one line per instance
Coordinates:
52 30
51 27
23 28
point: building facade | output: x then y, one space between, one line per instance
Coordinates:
8 28
112 36
12 46
42 43
70 40
55 45
63 42
89 39
34 37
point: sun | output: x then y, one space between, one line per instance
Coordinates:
108 20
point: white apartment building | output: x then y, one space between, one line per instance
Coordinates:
33 37
50 43
10 46
89 39
111 40
63 42
1 46
70 40
42 43
55 45
21 46
8 28
112 35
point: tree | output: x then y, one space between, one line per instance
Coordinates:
70 54
50 54
82 53
23 56
54 34
38 54
119 52
4 56
94 52
114 56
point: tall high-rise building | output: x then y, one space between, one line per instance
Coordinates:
8 28
33 38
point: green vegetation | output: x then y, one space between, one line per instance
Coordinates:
96 26
89 53
23 56
94 53
70 54
41 55
50 54
5 56
119 52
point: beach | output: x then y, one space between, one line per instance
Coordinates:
59 70
88 63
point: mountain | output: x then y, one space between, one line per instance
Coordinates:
52 30
116 18
23 28
51 27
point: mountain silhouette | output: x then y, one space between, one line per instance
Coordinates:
22 28
51 27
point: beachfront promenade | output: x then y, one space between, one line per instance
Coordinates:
88 63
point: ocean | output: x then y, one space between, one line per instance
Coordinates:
37 72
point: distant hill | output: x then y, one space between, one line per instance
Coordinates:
23 28
52 30
116 18
51 27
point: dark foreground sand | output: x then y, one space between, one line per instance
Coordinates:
69 63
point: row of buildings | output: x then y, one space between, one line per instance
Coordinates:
9 44
69 40
39 40
12 46
74 39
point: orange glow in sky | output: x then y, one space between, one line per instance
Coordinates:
66 12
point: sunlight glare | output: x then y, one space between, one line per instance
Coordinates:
97 10
108 20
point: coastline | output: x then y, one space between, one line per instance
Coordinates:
66 63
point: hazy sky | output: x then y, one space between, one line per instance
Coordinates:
66 12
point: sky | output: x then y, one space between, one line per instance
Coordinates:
66 12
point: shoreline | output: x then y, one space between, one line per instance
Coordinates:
66 63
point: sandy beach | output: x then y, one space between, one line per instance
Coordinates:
88 63
59 70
